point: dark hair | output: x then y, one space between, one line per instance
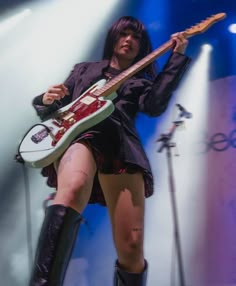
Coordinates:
129 22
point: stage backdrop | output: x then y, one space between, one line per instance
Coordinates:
221 183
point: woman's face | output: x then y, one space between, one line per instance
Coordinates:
127 46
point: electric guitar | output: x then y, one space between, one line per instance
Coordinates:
45 142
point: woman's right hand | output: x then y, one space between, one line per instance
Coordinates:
55 92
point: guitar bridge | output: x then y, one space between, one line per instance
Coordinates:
63 117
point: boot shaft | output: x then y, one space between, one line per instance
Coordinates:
55 245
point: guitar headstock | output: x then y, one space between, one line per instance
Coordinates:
204 25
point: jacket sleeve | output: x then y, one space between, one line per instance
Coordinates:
44 111
155 99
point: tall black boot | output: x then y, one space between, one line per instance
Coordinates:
55 245
123 278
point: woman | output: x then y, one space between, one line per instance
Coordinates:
107 163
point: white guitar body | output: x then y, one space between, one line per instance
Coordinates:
40 147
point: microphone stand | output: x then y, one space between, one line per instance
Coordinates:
167 144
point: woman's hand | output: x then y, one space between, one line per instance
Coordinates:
55 92
180 42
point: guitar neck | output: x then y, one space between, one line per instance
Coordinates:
115 83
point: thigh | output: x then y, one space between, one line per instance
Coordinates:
75 174
125 198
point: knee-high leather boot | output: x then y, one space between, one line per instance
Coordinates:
55 245
123 278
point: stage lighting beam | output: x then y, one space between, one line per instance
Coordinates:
12 21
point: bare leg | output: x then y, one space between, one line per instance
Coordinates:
124 196
76 172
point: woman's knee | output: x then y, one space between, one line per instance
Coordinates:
130 246
130 254
74 188
74 192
